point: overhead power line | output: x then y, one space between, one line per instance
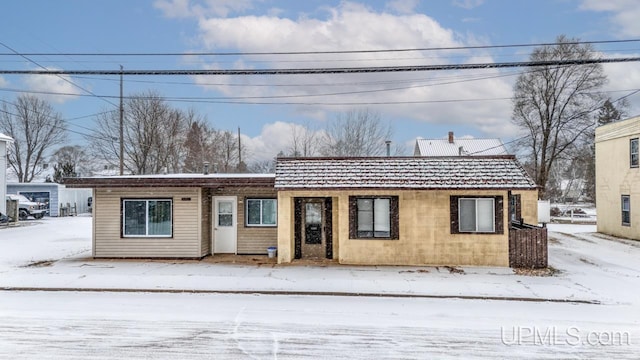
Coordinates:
241 53
332 70
58 75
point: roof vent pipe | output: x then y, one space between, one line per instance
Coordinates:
388 143
206 168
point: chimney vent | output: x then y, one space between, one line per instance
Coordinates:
388 143
206 168
450 137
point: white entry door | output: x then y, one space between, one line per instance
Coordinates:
224 225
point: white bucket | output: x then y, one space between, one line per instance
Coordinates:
271 251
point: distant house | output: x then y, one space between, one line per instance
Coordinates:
4 145
618 178
459 147
389 211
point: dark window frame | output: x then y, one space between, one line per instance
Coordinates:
146 200
498 212
627 211
394 217
634 157
246 212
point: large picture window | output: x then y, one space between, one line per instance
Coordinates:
477 214
261 212
147 218
373 217
626 210
633 153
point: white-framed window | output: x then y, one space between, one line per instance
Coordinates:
476 215
626 210
261 212
634 160
147 218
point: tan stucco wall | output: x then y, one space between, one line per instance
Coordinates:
615 177
529 205
425 230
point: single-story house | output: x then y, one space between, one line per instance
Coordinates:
181 216
618 178
382 211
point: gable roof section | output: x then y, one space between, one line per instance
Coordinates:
474 147
461 172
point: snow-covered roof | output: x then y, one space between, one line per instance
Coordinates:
6 138
457 147
460 172
173 180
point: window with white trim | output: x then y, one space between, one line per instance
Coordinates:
261 212
626 210
476 215
147 218
633 153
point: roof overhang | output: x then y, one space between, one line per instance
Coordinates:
257 180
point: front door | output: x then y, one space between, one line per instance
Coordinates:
312 234
313 228
224 225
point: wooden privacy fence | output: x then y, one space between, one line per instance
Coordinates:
527 246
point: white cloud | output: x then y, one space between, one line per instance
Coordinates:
624 79
273 138
468 4
201 8
624 14
50 86
353 26
402 6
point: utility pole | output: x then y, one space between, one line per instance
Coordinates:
121 126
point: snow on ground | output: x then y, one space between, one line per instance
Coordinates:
55 253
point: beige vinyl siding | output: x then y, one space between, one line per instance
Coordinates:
185 242
252 239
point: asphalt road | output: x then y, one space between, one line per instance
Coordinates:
73 325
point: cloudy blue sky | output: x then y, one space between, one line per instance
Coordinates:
472 103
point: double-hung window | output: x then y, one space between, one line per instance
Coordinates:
634 160
261 212
373 217
626 210
147 218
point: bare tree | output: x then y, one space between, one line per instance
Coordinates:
356 133
555 105
69 161
228 152
304 140
154 135
36 128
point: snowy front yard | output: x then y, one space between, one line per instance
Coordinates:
467 313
